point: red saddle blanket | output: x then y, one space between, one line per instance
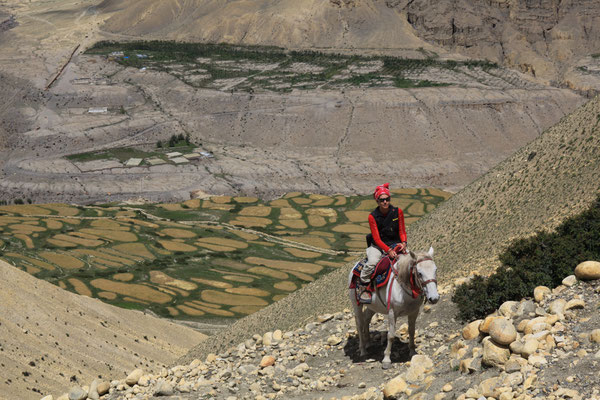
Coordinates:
380 276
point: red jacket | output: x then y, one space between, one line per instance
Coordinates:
387 229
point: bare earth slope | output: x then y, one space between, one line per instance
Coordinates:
553 177
52 338
368 25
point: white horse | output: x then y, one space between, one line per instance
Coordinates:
399 297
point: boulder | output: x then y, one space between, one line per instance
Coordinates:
588 270
494 355
502 331
471 330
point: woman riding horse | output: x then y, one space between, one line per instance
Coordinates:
388 235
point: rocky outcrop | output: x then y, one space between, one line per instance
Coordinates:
542 38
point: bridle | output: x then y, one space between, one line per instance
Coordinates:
416 284
415 276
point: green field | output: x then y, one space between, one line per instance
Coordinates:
250 68
222 257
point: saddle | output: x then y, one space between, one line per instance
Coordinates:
380 277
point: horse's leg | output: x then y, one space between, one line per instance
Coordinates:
391 334
367 327
412 320
359 318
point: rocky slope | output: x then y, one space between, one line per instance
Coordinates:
52 338
546 347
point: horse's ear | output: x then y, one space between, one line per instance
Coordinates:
412 255
430 252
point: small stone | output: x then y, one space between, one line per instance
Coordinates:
540 293
514 364
537 361
103 387
49 397
333 340
362 385
267 339
93 391
471 330
447 388
588 270
267 361
488 386
277 336
595 336
134 377
77 393
163 388
211 358
507 309
394 387
502 331
324 318
575 304
570 281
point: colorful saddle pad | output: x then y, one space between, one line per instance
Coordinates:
380 276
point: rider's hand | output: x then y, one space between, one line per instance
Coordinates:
392 254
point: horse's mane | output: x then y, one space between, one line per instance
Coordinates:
403 265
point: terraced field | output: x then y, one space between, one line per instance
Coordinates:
226 67
203 258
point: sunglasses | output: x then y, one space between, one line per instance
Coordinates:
382 199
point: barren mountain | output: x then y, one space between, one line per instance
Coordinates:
52 338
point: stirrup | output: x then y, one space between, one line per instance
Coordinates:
363 295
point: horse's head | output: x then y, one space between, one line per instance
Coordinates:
425 272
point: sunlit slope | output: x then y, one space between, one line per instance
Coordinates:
546 181
288 23
50 338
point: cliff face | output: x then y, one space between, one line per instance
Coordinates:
541 37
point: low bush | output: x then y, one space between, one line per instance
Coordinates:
543 259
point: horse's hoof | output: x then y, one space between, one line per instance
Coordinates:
386 365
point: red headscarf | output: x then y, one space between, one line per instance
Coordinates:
381 189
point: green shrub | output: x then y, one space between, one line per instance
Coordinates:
544 259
